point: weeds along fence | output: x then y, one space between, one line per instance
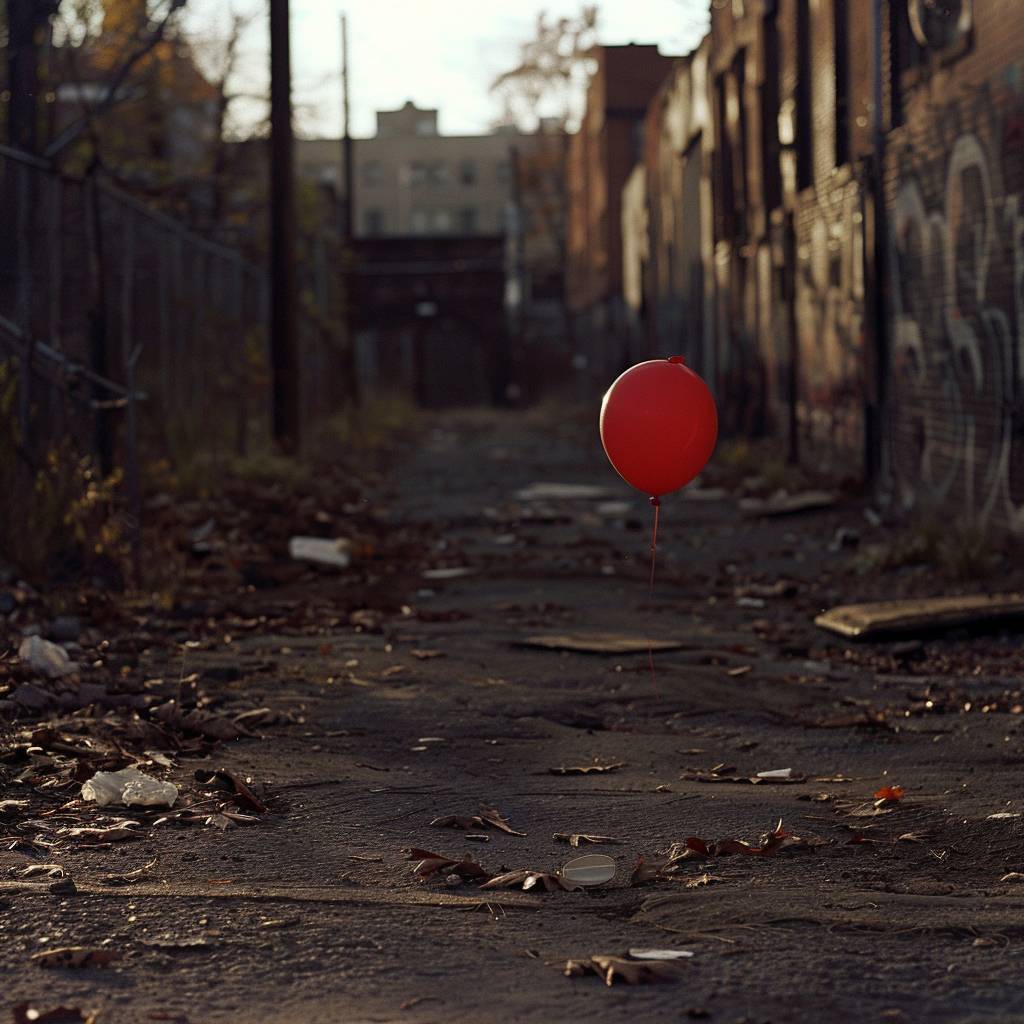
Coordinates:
128 337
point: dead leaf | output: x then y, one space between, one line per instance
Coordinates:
888 795
587 769
425 654
50 870
487 816
431 863
75 956
118 832
705 879
26 1013
222 778
576 838
528 879
613 968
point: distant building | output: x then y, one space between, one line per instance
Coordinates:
601 156
411 180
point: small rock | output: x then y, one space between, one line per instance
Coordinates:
63 887
49 659
336 554
30 697
65 628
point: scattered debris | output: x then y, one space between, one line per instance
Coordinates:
727 774
222 779
550 491
130 787
26 1013
883 618
613 968
127 877
600 643
783 504
487 816
888 795
46 657
528 879
335 554
591 869
430 864
1013 876
455 572
577 838
660 954
425 654
587 769
75 956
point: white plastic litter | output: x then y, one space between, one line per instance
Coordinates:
321 551
660 954
46 657
777 773
130 787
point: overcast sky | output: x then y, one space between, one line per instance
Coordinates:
439 54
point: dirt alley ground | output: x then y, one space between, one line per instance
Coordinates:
429 705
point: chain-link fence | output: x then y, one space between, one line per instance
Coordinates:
131 337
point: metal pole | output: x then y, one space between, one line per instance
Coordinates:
283 339
874 413
348 199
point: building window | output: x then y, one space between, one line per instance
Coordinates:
419 221
468 220
425 126
504 172
373 222
841 66
804 151
467 172
373 172
417 173
442 221
437 174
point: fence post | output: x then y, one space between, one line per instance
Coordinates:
103 435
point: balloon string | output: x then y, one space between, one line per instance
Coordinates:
656 504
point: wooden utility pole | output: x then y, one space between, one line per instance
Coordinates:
27 31
346 139
284 354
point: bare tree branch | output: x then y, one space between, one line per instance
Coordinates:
73 130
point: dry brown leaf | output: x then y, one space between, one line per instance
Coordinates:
432 863
75 956
528 879
705 879
613 968
486 816
587 769
576 838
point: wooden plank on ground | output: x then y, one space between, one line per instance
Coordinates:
601 643
881 618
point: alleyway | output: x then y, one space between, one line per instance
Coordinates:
426 703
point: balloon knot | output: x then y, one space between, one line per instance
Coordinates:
678 360
656 501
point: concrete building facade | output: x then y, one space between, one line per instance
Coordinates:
411 180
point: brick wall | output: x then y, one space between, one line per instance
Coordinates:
955 190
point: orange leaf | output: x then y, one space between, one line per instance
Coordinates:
892 793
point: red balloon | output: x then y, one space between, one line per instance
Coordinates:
658 425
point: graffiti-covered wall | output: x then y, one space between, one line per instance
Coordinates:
955 183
